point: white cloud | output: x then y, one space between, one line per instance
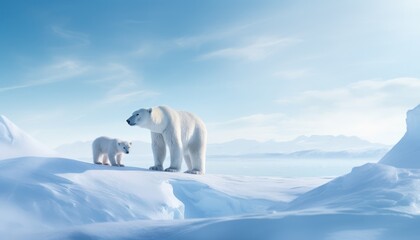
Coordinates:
157 48
117 81
377 84
224 34
398 92
373 109
257 126
121 84
59 71
116 75
62 70
80 39
128 96
257 50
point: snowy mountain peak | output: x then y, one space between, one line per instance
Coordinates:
15 142
406 153
413 122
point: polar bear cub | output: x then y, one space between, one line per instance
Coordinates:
182 132
105 148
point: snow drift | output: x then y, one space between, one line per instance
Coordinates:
51 193
371 188
374 201
406 153
62 192
14 142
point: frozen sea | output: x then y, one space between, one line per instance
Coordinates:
283 167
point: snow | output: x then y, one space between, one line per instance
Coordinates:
374 201
16 143
59 198
46 194
371 188
270 227
406 153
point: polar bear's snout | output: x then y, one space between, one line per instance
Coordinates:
131 122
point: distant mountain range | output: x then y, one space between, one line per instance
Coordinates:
316 146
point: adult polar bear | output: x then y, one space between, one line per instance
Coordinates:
184 133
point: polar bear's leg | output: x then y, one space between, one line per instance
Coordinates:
159 151
174 143
198 156
111 157
198 163
119 158
176 158
96 156
193 166
105 159
187 159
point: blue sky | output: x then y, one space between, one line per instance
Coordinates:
75 70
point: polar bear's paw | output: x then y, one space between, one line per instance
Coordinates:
194 171
121 165
171 170
99 163
156 168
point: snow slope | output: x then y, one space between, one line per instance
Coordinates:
374 201
46 194
327 226
406 153
371 188
14 142
54 198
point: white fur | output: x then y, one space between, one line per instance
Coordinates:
105 148
184 133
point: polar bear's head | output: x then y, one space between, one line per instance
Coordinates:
140 118
124 146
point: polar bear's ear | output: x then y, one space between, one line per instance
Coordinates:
119 143
130 143
149 110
